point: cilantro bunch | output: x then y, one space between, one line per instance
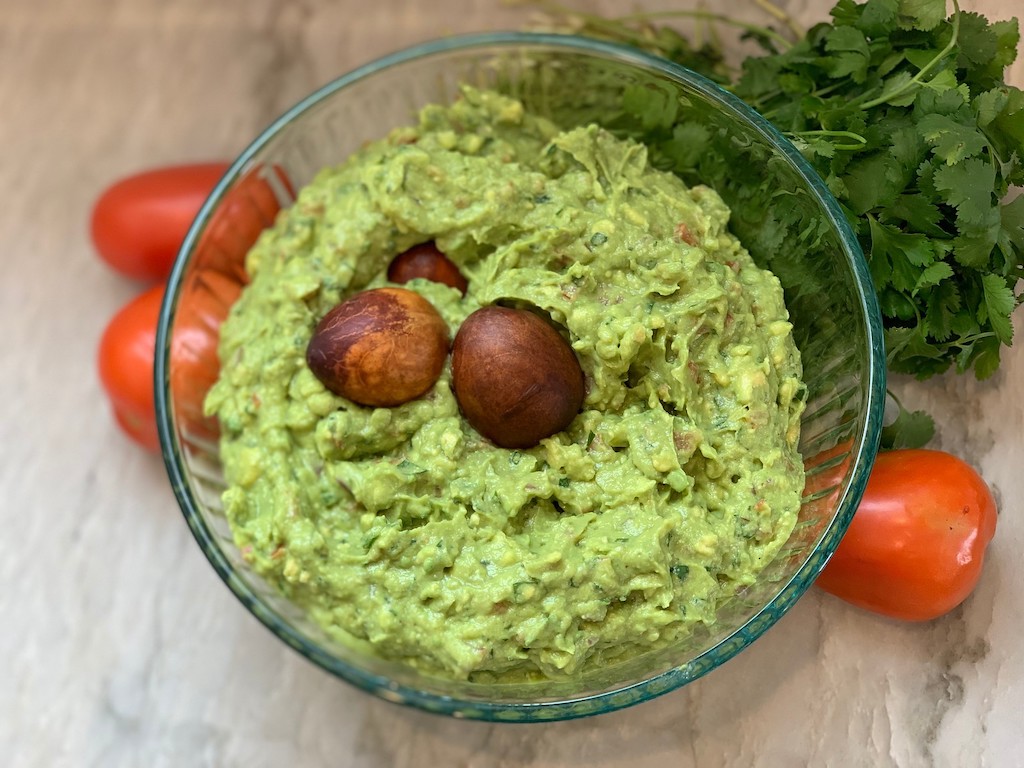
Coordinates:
904 112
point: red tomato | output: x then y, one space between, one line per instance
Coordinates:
917 542
206 297
211 287
207 293
126 365
127 350
139 223
248 208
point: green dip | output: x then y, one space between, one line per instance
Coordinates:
676 484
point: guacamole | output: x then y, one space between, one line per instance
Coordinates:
676 483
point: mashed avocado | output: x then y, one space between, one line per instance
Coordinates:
675 485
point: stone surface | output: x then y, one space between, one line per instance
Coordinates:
121 647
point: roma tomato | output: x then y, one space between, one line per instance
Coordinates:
126 354
127 348
211 287
917 542
139 223
194 365
248 208
126 365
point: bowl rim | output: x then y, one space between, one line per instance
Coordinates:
864 451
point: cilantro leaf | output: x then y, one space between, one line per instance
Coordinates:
932 275
878 17
904 255
851 53
1007 39
950 140
907 150
905 113
656 109
1011 232
973 245
919 212
1010 120
988 105
897 85
977 42
846 13
949 101
868 185
999 303
909 351
689 141
812 148
985 75
968 187
910 429
984 356
921 14
759 76
942 308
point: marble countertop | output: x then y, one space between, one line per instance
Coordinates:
122 647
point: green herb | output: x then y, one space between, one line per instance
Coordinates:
409 468
679 571
904 112
910 429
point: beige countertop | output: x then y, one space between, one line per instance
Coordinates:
121 645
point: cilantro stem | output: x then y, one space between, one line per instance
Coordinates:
773 10
756 29
861 141
608 26
716 40
895 398
698 31
828 89
965 340
764 98
918 78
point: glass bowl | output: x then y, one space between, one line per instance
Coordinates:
828 287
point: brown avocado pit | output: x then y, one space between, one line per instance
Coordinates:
381 347
515 378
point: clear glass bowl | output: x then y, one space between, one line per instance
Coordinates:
829 292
